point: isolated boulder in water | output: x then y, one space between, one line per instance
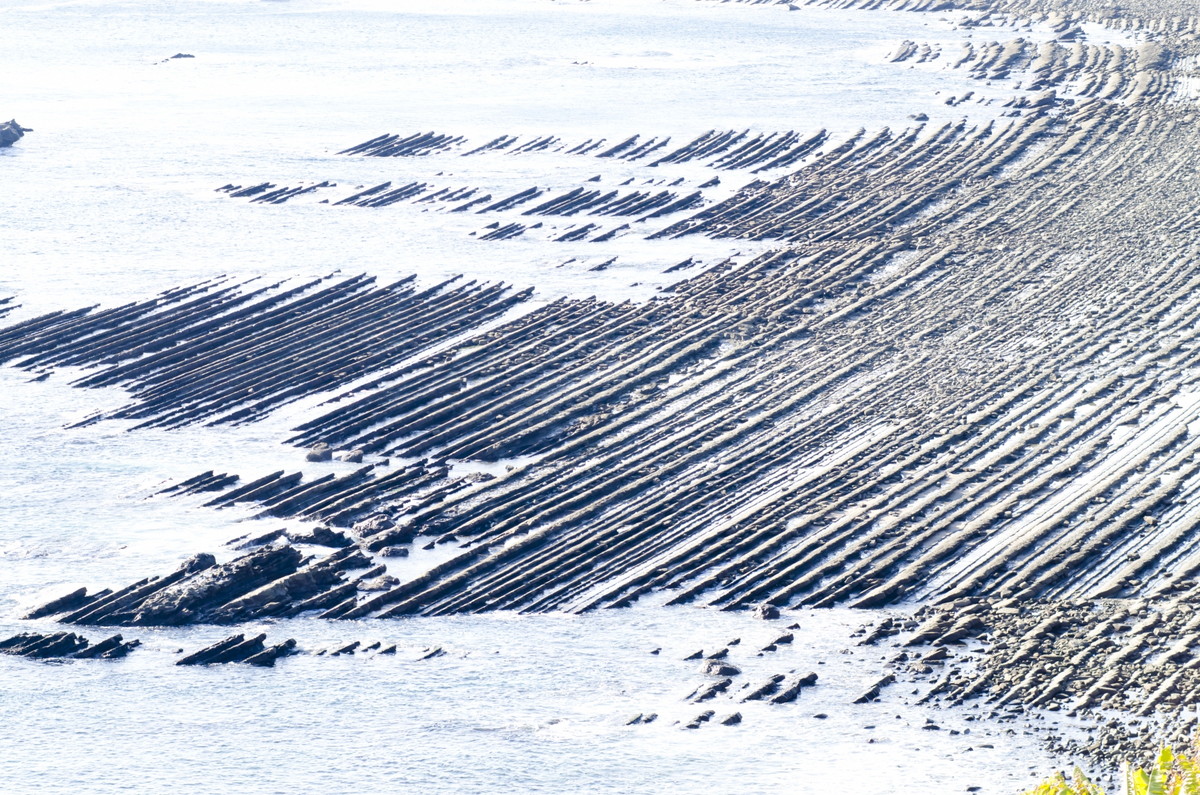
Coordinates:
11 132
319 452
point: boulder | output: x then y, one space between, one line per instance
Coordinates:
719 668
383 583
319 452
766 612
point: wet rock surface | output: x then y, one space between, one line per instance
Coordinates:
240 649
270 581
66 645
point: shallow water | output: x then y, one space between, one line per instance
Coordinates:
111 199
519 703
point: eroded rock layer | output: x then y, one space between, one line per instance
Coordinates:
225 352
968 371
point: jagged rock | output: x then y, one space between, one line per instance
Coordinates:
372 525
731 720
351 456
770 687
874 690
37 646
71 601
111 649
267 657
11 132
199 562
382 583
711 691
393 552
196 596
280 595
322 536
789 693
237 648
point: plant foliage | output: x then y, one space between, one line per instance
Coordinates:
1171 774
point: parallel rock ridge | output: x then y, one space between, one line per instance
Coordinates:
721 149
239 649
232 353
66 645
969 372
968 402
342 501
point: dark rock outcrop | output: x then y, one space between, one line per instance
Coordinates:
61 645
11 132
237 649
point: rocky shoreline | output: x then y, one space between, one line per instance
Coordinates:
961 384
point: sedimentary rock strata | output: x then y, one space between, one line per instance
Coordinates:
964 376
66 645
275 580
240 649
967 376
224 352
